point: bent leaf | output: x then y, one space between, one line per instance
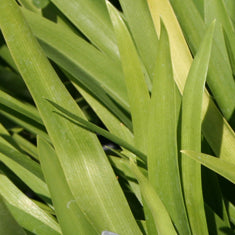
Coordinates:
222 167
82 158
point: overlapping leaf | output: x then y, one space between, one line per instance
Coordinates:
191 134
81 156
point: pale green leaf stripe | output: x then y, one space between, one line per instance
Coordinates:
79 152
220 79
162 138
25 211
161 217
191 134
141 26
222 167
25 168
135 81
8 225
91 17
70 217
215 128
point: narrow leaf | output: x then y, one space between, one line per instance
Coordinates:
25 211
162 150
91 17
80 153
220 79
135 81
26 169
84 62
142 29
215 128
96 129
191 134
8 225
72 220
222 167
161 217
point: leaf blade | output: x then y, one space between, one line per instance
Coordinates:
163 117
191 134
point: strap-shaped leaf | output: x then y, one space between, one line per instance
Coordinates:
96 129
135 81
191 134
86 168
25 168
161 217
71 218
220 79
84 62
215 128
25 211
141 26
222 167
162 138
91 17
21 113
8 225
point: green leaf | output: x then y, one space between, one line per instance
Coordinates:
28 4
91 17
26 145
217 225
108 118
135 81
222 167
215 128
180 53
5 54
215 9
82 158
72 220
96 129
191 134
85 63
162 139
220 79
23 114
161 217
143 32
123 165
200 6
41 3
231 211
25 211
8 225
230 7
25 168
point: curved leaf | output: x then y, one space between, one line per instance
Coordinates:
191 134
79 151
